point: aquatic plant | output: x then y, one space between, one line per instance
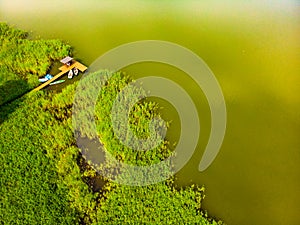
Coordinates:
23 60
30 190
160 203
44 179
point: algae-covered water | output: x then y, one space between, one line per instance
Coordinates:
253 50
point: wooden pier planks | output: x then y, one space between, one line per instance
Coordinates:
64 69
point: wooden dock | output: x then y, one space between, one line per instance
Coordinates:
64 69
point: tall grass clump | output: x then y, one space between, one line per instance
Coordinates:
23 60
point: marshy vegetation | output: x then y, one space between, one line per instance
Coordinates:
23 60
43 179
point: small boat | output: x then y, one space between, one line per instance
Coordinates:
75 71
47 77
57 82
42 80
70 74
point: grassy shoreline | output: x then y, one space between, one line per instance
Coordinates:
23 61
44 178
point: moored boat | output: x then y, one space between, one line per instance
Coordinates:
42 80
75 71
57 82
46 78
70 74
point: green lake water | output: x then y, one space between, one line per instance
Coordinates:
253 50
